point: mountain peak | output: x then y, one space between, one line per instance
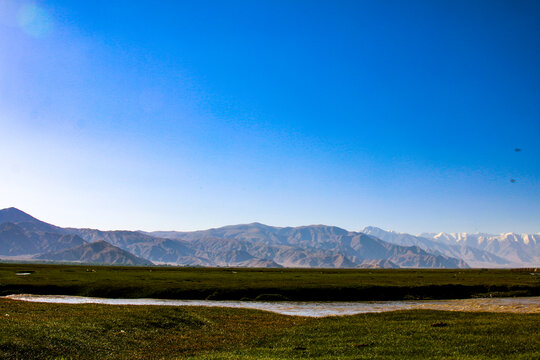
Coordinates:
15 215
13 210
257 224
371 228
375 231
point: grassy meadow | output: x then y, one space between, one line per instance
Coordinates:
279 284
90 331
60 331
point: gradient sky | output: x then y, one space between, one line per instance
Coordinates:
196 114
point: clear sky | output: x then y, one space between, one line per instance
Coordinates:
182 115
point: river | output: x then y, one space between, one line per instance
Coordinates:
315 309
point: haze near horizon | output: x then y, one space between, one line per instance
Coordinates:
415 117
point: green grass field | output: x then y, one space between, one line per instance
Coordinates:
236 284
59 331
54 331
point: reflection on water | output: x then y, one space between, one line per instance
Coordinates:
316 309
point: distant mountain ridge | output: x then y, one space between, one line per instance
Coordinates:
259 245
316 246
473 256
518 249
18 239
100 252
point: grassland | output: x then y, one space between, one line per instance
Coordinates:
60 331
54 331
291 284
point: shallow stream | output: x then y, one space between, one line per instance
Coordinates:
315 309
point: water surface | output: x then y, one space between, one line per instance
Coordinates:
315 309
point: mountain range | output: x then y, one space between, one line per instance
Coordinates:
23 237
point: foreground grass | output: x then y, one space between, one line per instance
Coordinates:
236 284
54 331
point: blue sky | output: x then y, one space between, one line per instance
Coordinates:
190 115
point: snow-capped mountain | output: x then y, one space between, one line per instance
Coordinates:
473 256
518 249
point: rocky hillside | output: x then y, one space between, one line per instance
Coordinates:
100 252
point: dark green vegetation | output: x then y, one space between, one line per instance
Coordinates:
236 284
51 331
